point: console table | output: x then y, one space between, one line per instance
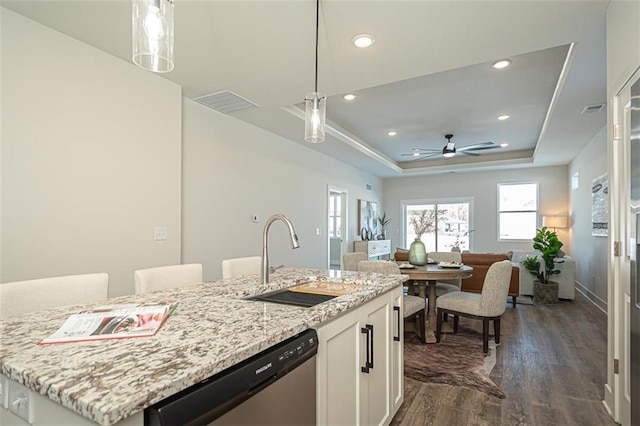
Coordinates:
373 248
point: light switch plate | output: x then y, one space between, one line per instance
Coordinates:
160 233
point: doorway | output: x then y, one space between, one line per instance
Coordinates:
336 226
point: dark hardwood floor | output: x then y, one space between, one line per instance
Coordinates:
551 364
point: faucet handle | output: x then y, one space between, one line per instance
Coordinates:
275 268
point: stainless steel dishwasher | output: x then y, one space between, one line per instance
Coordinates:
275 387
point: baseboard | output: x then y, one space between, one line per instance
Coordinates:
591 297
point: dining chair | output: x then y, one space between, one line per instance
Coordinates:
163 277
239 266
446 286
20 297
350 260
487 306
413 307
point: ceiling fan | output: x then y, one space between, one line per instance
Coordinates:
450 150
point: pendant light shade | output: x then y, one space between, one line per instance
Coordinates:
315 112
153 34
315 104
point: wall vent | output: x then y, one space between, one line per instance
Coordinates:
592 108
225 101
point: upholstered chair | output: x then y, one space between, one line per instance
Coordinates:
22 297
350 260
239 266
413 306
446 286
163 277
487 306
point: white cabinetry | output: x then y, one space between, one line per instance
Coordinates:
373 248
360 364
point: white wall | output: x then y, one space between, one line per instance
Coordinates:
590 252
482 187
232 170
90 159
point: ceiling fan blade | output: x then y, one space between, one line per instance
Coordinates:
482 145
473 154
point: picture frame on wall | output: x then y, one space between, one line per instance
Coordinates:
367 215
599 206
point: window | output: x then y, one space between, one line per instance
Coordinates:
335 214
517 211
448 224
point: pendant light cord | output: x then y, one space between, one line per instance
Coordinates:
317 24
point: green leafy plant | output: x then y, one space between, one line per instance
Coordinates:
383 220
547 243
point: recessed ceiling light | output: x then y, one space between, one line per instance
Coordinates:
363 40
504 145
392 133
503 63
349 97
503 117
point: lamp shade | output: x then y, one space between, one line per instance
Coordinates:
153 34
315 117
554 221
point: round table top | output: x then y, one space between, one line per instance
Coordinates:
435 272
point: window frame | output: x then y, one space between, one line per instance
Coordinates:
536 211
436 201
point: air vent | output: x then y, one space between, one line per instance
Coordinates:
592 108
225 101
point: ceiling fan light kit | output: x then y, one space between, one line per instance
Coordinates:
315 103
152 25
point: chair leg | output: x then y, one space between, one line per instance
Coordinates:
456 318
438 325
485 335
513 300
496 330
423 331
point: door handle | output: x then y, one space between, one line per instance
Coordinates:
397 310
367 330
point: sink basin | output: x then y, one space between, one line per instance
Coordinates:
288 297
307 294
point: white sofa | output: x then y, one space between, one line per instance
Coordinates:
566 278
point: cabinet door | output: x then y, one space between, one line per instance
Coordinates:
338 371
397 353
376 384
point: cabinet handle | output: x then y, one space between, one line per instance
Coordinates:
397 309
368 331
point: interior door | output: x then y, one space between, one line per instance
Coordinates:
336 226
633 113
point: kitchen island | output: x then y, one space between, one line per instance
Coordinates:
212 329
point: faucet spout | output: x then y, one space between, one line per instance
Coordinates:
264 271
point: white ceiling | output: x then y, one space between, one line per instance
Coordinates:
428 74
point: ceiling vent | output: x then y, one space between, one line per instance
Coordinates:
592 108
225 101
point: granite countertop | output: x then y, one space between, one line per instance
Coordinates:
212 329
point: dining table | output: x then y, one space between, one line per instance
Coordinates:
426 278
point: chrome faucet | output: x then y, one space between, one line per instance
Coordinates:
264 272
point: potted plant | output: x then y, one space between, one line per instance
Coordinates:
417 252
383 222
547 243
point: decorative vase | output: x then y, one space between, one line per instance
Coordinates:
417 253
363 234
545 294
369 234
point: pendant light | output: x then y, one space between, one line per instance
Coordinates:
315 104
153 34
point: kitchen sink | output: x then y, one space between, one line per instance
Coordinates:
307 294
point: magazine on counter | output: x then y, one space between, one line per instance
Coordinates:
112 322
